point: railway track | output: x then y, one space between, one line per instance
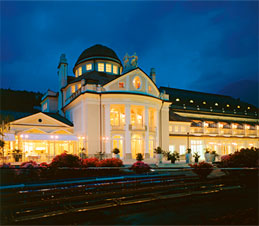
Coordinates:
30 202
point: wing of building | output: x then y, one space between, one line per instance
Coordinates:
107 105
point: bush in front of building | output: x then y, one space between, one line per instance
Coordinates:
202 169
246 157
140 167
66 160
112 162
90 162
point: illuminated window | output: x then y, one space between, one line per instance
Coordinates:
228 105
108 68
89 67
182 149
79 86
100 66
191 101
72 89
248 108
115 69
121 84
137 82
117 115
76 73
238 106
204 102
171 148
216 104
177 99
79 71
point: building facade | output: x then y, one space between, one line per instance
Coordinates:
107 105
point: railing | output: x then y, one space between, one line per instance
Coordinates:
196 130
238 132
137 127
251 132
226 131
211 130
73 95
117 127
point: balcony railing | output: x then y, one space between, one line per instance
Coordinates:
117 127
137 127
226 131
196 130
211 130
251 133
238 132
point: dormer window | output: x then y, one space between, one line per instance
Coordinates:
100 66
177 99
89 67
216 104
238 106
115 69
248 108
191 101
204 102
108 68
121 85
79 71
228 105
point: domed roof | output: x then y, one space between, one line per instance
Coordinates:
98 52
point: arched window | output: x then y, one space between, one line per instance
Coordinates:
137 82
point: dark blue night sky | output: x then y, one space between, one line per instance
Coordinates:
202 46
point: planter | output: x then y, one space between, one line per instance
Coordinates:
17 158
188 157
159 158
207 157
173 160
213 157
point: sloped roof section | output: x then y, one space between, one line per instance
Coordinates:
207 102
59 118
175 117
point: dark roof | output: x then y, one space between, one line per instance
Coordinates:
59 118
214 103
99 52
175 117
94 77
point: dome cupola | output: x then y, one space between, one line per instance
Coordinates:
98 58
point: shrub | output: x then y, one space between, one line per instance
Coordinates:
139 157
29 164
66 160
244 158
158 150
90 162
116 151
140 167
202 169
113 162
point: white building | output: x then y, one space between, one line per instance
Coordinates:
107 105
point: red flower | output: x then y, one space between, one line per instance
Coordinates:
90 162
113 162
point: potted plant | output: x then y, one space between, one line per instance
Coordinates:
213 156
196 157
17 154
159 153
207 155
82 154
139 157
173 156
188 155
116 152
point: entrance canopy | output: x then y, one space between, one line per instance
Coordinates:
49 137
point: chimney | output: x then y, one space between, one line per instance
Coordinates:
153 74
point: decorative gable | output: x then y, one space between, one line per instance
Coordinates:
134 81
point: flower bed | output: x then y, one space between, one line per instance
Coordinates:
140 167
202 169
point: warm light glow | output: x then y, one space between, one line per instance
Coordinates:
83 138
216 104
56 137
26 136
137 82
108 68
191 101
51 137
80 71
204 102
238 106
248 108
121 84
220 125
73 89
228 105
115 69
234 143
177 99
234 126
77 73
21 136
247 127
100 66
89 67
205 124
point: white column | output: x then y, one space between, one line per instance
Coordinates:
127 132
157 127
147 132
107 128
